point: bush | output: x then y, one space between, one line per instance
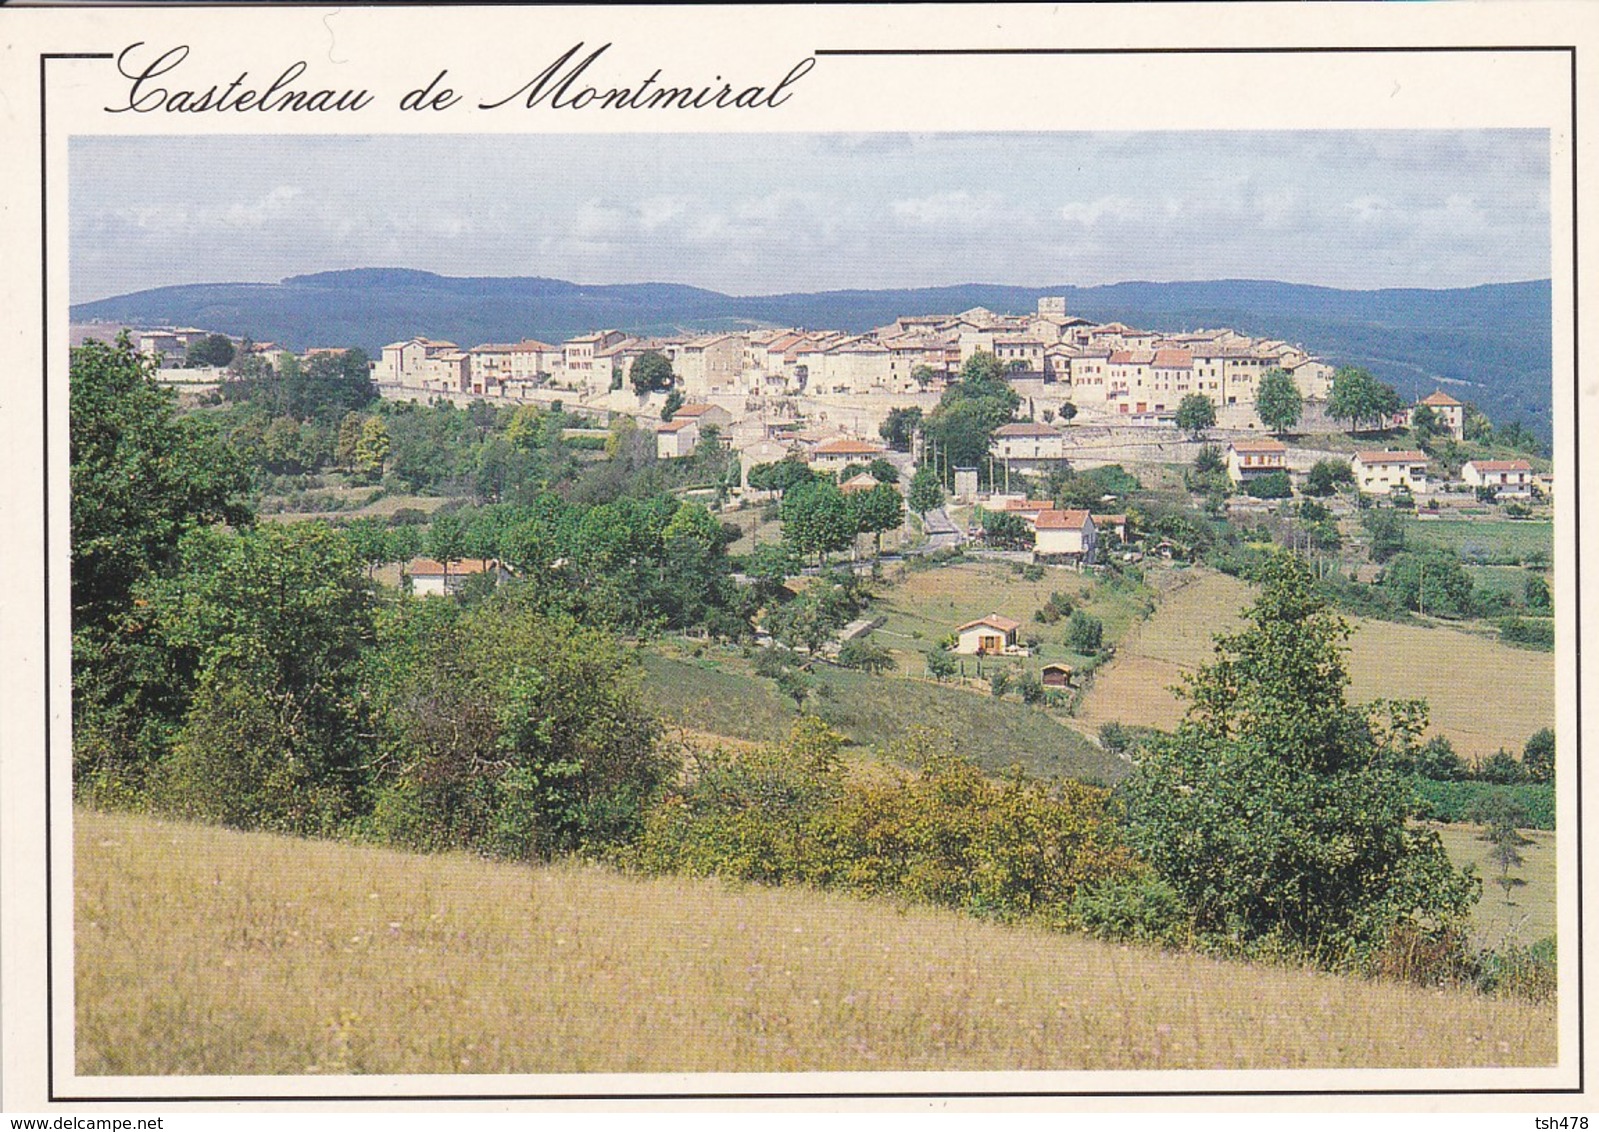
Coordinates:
1530 632
1522 972
866 657
944 833
1456 801
1274 485
1084 634
1136 909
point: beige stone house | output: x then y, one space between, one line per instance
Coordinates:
1379 473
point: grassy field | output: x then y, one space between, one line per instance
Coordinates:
1502 541
719 694
1530 914
1482 694
204 951
1508 580
922 607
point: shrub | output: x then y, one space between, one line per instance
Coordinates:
1274 485
1523 972
943 833
866 657
1084 634
1456 801
1531 632
1134 909
1538 756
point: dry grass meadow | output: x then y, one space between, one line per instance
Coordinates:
203 951
1483 694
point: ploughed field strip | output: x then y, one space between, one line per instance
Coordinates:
1482 694
205 951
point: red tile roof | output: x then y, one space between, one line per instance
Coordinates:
1258 446
844 446
1406 457
1062 520
993 620
432 568
1501 465
1174 359
1439 398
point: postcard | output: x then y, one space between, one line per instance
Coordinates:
821 557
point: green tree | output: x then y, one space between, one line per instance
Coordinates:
1360 399
1272 485
141 476
349 438
1196 413
1429 581
1278 402
1501 818
817 520
940 665
651 372
927 494
867 657
271 623
999 681
780 476
963 424
212 350
1084 633
674 402
1325 476
1387 532
509 731
372 450
1535 591
882 471
1005 530
900 427
877 511
1271 812
446 542
1538 756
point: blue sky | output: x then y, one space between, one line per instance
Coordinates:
766 213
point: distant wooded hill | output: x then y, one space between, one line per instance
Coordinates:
1489 345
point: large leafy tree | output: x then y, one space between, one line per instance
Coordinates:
142 476
1277 401
260 635
651 372
817 520
1273 810
926 492
963 424
900 427
1196 413
1360 399
877 511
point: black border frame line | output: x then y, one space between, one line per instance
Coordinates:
899 1094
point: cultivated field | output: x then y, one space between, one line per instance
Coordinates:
203 951
1530 914
1483 694
1503 541
720 694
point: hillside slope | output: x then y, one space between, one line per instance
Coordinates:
1488 344
204 951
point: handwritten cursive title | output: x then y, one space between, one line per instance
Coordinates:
161 81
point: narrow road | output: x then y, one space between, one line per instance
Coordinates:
941 533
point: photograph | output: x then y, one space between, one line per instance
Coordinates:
809 602
837 558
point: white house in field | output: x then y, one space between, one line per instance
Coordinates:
1379 473
987 636
1506 477
1065 534
1251 459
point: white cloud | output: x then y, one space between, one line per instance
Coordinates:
1090 213
957 207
